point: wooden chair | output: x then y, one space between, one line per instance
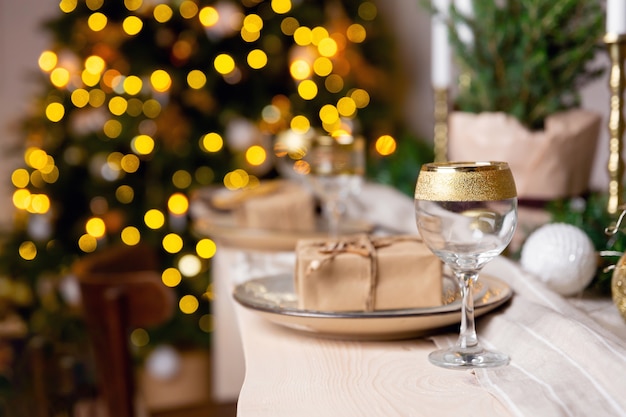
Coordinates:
121 289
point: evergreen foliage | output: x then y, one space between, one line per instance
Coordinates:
529 58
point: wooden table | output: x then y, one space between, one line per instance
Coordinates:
289 373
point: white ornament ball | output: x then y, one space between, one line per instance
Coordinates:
163 362
562 256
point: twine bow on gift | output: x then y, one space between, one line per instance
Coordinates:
364 246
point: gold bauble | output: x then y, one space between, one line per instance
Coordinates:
618 286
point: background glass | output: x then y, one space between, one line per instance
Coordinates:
337 166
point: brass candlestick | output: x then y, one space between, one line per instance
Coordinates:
440 139
616 45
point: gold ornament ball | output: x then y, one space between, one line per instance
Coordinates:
618 286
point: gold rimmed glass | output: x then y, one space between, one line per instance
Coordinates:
466 214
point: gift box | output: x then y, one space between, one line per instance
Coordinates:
367 273
274 204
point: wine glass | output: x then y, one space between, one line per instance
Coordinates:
466 214
337 167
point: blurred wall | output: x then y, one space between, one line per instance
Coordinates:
21 42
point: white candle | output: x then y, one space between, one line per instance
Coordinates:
466 9
440 46
616 16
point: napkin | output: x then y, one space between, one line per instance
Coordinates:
563 362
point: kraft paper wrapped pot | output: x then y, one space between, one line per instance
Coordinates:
549 164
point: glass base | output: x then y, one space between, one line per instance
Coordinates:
475 357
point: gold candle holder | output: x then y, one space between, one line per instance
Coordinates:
440 138
616 45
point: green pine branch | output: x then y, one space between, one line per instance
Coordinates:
529 58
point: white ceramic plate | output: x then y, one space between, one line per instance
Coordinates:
274 299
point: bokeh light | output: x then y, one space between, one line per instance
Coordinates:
224 64
142 144
327 47
130 235
208 16
95 64
307 89
303 36
189 265
133 85
154 219
132 25
257 59
182 179
196 79
188 9
300 69
329 114
124 194
59 77
97 21
139 337
68 6
20 178
80 97
356 33
47 61
206 248
281 6
171 277
161 80
87 243
188 304
211 142
172 243
118 105
55 112
385 145
133 5
178 204
346 107
28 250
236 179
95 227
256 155
162 13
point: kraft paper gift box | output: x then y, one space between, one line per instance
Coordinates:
274 205
367 273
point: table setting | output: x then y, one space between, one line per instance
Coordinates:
422 288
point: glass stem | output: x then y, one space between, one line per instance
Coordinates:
333 214
467 336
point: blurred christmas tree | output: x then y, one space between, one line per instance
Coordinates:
144 101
